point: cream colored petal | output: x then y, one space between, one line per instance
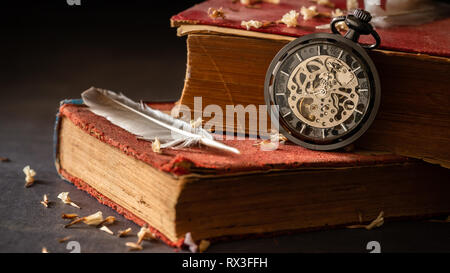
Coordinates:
93 219
107 230
290 19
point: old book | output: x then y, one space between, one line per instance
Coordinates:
215 195
227 64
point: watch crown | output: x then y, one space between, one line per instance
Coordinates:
362 15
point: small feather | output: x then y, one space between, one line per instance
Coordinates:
147 123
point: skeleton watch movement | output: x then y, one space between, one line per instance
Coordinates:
325 87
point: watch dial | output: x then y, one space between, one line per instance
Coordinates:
322 90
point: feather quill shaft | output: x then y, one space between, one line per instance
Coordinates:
146 122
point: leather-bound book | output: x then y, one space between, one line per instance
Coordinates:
227 64
215 195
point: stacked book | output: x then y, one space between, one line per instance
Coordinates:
398 167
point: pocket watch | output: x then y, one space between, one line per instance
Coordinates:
325 86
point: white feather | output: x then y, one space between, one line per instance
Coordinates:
147 123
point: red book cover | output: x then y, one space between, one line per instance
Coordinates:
430 38
179 162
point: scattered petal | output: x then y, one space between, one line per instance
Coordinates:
145 234
276 136
197 123
325 3
271 144
324 26
76 221
93 219
108 220
123 233
268 145
203 246
252 2
352 4
156 145
4 159
378 222
189 241
336 13
64 196
69 215
29 176
44 250
45 201
290 18
133 246
107 230
251 23
62 240
309 13
249 2
216 13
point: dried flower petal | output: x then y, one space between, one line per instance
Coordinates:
45 201
62 240
271 144
267 145
324 26
189 241
336 13
309 13
107 230
69 215
276 136
76 221
325 3
251 23
108 220
378 222
123 233
352 4
290 18
145 234
133 246
197 123
29 176
44 250
93 219
203 246
216 13
4 159
64 196
251 2
156 145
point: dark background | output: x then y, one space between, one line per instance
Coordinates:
50 51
